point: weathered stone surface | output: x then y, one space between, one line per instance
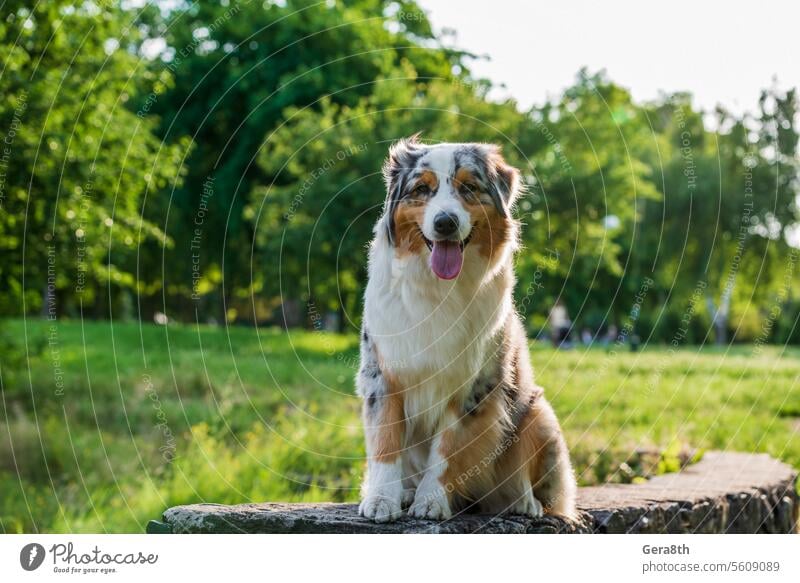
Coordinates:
724 492
340 518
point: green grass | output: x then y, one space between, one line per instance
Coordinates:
152 417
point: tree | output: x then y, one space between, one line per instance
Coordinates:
729 199
239 66
77 162
589 187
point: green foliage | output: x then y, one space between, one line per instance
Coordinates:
241 68
77 161
238 169
729 205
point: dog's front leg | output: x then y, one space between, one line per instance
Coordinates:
432 499
384 426
382 491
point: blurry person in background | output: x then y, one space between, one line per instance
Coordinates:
611 335
560 324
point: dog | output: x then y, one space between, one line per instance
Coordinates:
453 418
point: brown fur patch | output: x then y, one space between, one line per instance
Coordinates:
472 449
407 221
390 423
537 451
428 178
408 216
490 230
463 179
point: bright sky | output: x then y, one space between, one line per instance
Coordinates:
721 52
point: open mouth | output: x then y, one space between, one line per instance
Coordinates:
447 257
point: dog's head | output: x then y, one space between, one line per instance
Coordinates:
448 201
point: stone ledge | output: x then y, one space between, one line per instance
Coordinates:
723 493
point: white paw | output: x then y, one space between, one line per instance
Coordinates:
528 505
408 497
380 508
432 505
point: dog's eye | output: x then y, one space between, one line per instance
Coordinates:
422 190
469 188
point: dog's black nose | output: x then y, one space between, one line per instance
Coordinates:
445 224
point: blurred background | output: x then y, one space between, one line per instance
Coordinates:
187 190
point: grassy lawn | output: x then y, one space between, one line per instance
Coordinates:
110 425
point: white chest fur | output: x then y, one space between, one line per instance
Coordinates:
433 335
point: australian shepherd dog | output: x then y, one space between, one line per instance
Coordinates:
453 418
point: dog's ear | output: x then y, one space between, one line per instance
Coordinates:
504 181
402 157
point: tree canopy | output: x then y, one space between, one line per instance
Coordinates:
220 161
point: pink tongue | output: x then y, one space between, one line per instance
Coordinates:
446 259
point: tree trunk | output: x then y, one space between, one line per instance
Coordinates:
719 314
342 313
721 330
